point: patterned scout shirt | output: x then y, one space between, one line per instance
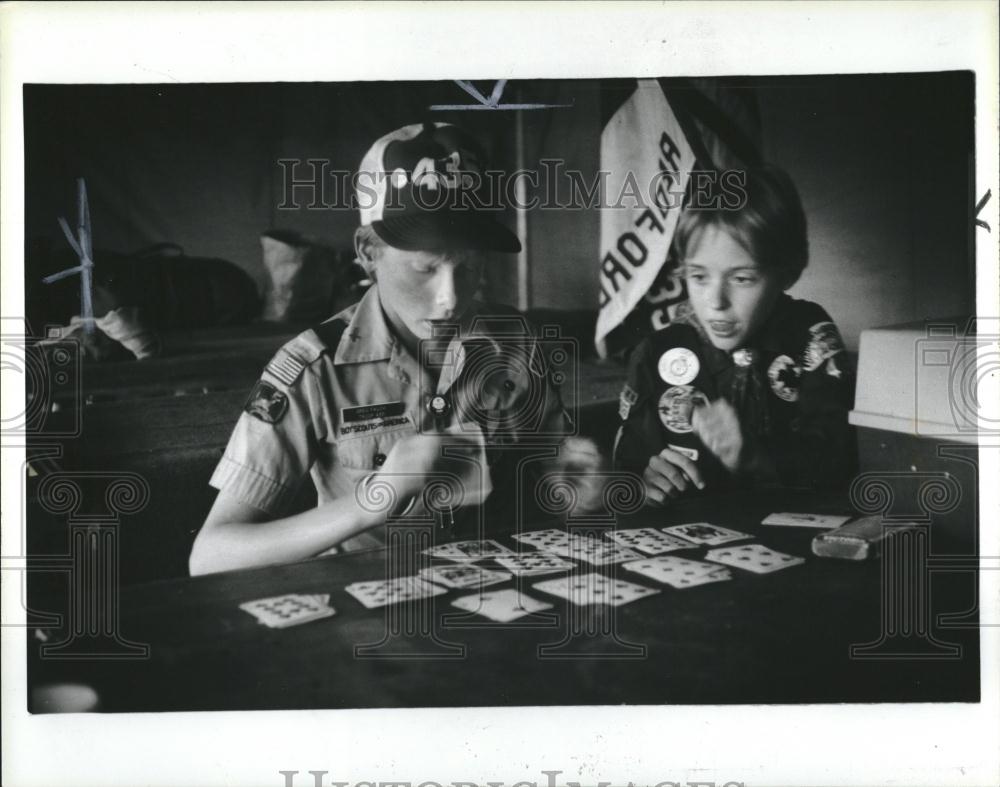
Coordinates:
335 399
792 389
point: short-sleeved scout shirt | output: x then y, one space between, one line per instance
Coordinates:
334 407
796 385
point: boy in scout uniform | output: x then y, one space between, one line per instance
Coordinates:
415 382
747 385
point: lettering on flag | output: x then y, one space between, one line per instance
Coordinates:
648 161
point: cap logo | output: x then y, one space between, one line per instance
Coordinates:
429 173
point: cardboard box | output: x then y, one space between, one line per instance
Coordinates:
919 416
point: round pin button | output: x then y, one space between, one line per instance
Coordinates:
676 407
379 460
438 406
743 357
784 375
678 366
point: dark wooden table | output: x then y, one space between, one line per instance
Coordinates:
778 638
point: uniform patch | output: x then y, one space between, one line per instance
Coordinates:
824 342
678 366
266 403
286 367
677 405
369 412
370 426
626 399
784 376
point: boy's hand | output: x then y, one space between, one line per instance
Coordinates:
579 462
718 426
415 460
668 474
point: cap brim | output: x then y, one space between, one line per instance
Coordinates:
446 232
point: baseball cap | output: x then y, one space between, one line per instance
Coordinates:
417 188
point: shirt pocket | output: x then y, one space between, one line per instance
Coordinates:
368 452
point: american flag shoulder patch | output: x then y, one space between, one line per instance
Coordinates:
286 367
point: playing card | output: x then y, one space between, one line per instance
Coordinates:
595 589
379 593
648 540
459 576
500 605
753 557
597 553
544 540
679 572
535 563
288 610
469 550
823 521
704 533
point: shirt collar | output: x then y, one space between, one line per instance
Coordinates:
368 336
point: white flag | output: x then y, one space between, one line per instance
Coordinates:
648 161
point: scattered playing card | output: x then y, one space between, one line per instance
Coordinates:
544 540
501 605
535 563
289 610
679 572
469 550
704 533
648 540
463 576
594 589
753 557
823 521
597 553
379 593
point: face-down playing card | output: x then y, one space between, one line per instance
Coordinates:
380 593
594 588
501 605
702 533
648 540
753 557
679 572
469 550
463 576
821 521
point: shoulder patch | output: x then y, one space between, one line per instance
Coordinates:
824 342
266 403
629 394
286 366
291 360
628 397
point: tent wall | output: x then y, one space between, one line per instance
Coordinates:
882 163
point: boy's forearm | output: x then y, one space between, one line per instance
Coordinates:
235 545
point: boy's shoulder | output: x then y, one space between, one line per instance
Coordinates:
796 322
303 350
799 312
804 331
